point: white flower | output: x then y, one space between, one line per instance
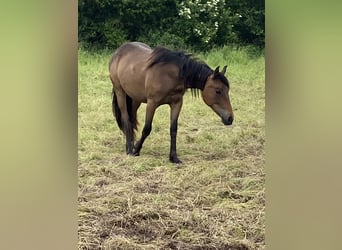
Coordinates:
198 32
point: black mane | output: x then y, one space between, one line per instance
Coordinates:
194 72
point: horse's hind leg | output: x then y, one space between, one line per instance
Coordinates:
150 109
134 118
127 124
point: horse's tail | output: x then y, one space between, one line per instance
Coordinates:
116 110
131 114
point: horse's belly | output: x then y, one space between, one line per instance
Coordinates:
135 90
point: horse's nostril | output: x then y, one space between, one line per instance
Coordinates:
230 119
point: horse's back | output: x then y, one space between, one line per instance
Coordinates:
128 69
129 53
130 72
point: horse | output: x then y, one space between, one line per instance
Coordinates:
140 74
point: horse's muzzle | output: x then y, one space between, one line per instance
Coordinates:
228 120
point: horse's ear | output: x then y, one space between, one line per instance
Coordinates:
224 70
217 70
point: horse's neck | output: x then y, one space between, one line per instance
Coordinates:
197 81
195 84
197 75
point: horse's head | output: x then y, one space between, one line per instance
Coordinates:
215 95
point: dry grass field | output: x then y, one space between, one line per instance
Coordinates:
214 200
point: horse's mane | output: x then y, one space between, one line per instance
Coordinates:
194 72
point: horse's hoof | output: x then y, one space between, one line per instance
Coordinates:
175 160
135 153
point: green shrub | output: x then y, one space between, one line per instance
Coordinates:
113 34
195 24
155 38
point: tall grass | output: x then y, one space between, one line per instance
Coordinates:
215 200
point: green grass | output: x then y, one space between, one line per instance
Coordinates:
214 200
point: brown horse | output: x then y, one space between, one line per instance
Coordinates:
160 76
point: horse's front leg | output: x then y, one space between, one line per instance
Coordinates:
150 110
175 109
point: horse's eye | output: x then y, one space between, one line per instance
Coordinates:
218 92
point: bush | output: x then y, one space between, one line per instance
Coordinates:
113 34
195 24
155 38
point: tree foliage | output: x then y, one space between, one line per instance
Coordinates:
199 24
